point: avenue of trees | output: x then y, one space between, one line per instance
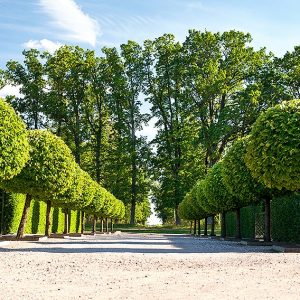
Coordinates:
45 170
204 94
257 167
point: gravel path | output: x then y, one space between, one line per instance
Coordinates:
140 266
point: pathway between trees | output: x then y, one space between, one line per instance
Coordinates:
140 266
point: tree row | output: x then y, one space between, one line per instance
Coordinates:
257 167
40 165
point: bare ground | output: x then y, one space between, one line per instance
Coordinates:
145 266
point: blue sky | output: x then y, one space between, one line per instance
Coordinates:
46 24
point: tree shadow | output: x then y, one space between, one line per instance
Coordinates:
168 244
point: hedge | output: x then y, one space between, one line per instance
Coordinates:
247 222
285 219
13 207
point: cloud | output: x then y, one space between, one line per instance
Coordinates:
68 16
10 90
43 44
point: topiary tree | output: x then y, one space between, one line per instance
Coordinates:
273 152
202 201
96 204
76 197
14 147
216 193
49 171
238 179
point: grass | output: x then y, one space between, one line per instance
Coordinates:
161 229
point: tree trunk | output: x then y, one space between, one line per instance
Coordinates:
94 225
22 225
195 225
191 225
102 227
133 162
111 225
132 211
177 218
66 225
82 222
106 225
205 226
223 224
238 224
212 232
97 156
199 229
48 219
267 234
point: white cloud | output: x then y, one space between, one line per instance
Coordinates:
43 44
69 17
10 90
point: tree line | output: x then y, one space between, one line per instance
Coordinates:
204 93
40 165
259 166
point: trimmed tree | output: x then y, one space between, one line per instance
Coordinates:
273 152
49 171
216 193
14 147
238 179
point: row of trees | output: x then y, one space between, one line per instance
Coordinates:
203 94
39 164
256 167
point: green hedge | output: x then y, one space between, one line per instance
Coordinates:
247 222
285 218
13 207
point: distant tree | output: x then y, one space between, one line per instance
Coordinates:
218 67
30 76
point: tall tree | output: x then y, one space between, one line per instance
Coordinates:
175 143
67 70
218 67
126 85
30 77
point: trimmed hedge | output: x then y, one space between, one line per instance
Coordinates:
13 207
285 218
247 222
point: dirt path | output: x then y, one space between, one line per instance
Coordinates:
140 266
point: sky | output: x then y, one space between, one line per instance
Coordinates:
92 24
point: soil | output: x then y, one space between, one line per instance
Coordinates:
146 266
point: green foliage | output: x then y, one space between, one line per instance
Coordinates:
30 76
97 202
36 221
273 152
285 218
142 212
14 147
73 197
48 172
216 192
237 177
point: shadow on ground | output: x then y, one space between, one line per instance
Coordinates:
145 244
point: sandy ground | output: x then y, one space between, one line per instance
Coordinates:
140 266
